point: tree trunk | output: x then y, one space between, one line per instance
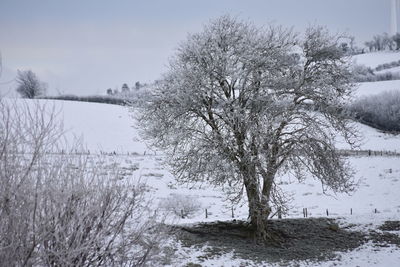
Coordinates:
259 209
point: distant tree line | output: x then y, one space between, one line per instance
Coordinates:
389 65
381 42
366 74
109 99
125 89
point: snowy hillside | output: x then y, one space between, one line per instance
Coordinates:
111 128
373 88
372 60
100 127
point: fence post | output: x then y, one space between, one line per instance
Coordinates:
327 212
232 213
206 214
351 211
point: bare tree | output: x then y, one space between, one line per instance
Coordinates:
387 42
396 40
58 209
378 42
109 91
125 88
29 86
137 85
370 45
241 105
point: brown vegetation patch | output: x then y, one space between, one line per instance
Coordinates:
290 239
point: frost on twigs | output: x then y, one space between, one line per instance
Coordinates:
241 104
61 209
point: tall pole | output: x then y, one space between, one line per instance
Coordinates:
394 16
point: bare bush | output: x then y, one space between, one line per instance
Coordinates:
389 65
64 210
366 74
181 205
381 111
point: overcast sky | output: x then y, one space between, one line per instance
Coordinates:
86 46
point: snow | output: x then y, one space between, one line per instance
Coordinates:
372 60
373 88
373 139
366 255
99 127
103 127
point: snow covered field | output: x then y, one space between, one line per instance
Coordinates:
372 60
101 127
109 128
373 88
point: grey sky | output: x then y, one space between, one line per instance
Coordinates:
84 47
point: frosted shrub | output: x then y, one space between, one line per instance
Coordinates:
366 74
390 65
64 210
181 205
381 111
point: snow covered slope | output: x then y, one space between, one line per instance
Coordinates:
111 128
373 88
100 127
372 60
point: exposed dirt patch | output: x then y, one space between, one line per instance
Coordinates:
292 239
385 239
388 236
390 226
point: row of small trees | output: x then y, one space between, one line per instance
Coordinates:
30 86
362 73
384 41
125 89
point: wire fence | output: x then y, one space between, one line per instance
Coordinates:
369 153
343 152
